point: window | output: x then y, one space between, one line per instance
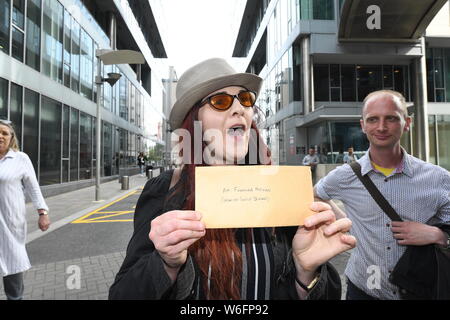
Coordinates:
132 102
107 90
75 56
123 145
18 13
335 82
323 9
85 146
31 127
33 46
18 29
86 65
5 11
317 9
17 44
15 111
66 143
74 152
123 97
348 78
438 74
388 80
107 149
67 47
3 98
369 80
50 155
401 80
321 83
53 39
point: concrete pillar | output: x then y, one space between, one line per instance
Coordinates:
422 143
307 85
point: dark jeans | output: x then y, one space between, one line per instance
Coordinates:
355 293
13 285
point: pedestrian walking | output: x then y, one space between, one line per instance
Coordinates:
16 174
418 193
172 256
141 160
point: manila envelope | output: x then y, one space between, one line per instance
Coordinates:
253 196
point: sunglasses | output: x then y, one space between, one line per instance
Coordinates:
223 101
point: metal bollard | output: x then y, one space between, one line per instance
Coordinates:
125 182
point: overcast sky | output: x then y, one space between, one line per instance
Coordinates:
194 30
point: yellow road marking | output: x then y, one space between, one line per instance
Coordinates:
84 219
110 215
98 221
112 212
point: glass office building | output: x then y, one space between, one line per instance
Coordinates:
48 90
319 63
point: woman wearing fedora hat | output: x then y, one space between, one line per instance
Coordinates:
172 256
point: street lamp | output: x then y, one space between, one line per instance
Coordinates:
109 57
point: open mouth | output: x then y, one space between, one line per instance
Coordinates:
237 130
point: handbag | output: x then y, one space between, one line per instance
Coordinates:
422 271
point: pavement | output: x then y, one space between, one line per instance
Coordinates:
80 254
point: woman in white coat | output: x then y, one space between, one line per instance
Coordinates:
16 174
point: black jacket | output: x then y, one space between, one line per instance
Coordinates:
423 272
142 275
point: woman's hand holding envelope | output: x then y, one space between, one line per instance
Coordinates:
173 233
320 239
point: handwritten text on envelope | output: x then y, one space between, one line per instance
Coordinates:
253 196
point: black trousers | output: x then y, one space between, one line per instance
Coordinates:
355 293
13 285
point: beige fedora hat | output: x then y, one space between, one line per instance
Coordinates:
204 78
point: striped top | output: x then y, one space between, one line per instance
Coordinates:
257 265
417 190
16 174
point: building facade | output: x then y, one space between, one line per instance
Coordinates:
320 58
47 86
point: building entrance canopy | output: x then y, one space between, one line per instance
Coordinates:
386 20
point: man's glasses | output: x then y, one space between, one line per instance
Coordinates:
223 101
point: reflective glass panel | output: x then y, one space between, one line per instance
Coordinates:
52 41
5 14
3 98
15 111
33 50
17 44
369 80
85 146
74 152
18 13
321 83
31 127
50 155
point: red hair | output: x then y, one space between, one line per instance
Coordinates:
217 253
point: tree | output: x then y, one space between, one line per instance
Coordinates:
156 153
